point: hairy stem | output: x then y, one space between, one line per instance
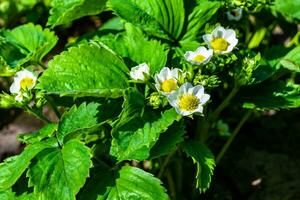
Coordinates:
225 103
53 106
37 114
165 164
233 135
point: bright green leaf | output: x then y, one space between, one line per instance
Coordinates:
204 159
164 19
39 135
64 12
32 40
77 118
60 173
127 183
288 8
86 70
132 143
291 60
12 168
135 46
198 17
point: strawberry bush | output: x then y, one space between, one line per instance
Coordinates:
144 96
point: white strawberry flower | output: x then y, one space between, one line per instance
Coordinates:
23 80
188 99
235 14
166 81
221 40
140 72
200 56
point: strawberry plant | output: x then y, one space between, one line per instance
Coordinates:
141 100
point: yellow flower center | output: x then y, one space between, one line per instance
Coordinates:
219 44
169 85
26 82
199 58
188 102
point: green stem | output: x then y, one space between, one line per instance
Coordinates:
233 135
42 65
225 103
171 185
37 114
165 164
54 108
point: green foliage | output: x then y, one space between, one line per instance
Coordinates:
134 135
60 173
200 14
288 8
83 117
164 19
45 132
168 140
291 60
64 12
25 43
204 159
277 95
135 46
127 183
89 70
13 167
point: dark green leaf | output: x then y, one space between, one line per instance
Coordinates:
204 159
278 95
167 141
291 60
86 70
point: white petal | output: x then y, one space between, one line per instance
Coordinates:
15 87
173 99
230 35
207 38
19 97
189 55
183 112
175 73
204 98
184 88
231 46
219 32
201 50
199 109
198 90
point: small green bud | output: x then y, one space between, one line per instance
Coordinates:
157 100
6 101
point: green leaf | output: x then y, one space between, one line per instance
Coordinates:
204 159
168 141
133 143
12 168
64 12
135 46
37 136
32 40
86 70
85 116
288 8
10 195
164 19
127 183
291 60
277 95
199 16
11 58
60 173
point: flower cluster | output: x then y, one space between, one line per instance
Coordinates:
183 96
219 41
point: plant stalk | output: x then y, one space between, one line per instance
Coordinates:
37 114
165 164
233 135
